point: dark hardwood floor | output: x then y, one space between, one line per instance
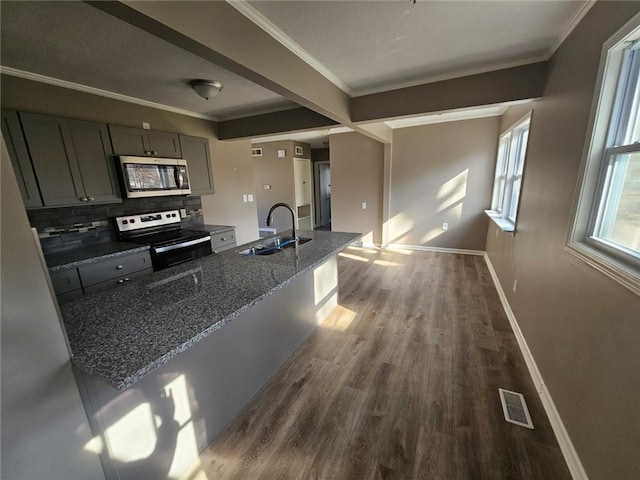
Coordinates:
400 382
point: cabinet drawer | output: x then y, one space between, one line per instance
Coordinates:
116 282
223 239
114 268
65 281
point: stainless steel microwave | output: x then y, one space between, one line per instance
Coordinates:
154 177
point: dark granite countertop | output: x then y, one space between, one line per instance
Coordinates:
121 335
91 254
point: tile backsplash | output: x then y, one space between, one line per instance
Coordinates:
66 228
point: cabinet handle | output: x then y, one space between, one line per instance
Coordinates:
147 152
91 199
119 267
154 153
222 239
122 280
84 199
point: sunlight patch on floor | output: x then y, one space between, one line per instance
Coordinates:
386 263
353 257
340 319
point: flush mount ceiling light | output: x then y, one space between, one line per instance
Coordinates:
207 89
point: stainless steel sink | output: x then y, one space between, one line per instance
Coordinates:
273 245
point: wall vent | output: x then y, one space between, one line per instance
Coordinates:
256 152
515 408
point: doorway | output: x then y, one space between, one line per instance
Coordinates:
322 171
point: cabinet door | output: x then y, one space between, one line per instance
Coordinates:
129 141
19 155
54 160
164 144
95 158
195 150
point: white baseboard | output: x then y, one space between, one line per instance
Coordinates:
568 451
399 246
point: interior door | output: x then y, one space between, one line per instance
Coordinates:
325 193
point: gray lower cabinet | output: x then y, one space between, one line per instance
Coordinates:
99 276
66 284
195 150
223 240
19 155
72 159
141 142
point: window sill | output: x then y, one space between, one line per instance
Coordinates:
502 223
615 269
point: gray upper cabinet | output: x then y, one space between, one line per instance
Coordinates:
95 158
19 155
72 160
195 150
140 142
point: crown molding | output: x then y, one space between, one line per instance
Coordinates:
265 24
36 77
573 22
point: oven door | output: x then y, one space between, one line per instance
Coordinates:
151 177
165 256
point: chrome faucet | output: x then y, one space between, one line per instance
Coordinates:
293 218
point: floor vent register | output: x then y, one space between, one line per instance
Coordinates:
515 408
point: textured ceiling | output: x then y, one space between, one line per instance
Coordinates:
367 45
378 45
74 41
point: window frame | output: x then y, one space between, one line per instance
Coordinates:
510 155
601 145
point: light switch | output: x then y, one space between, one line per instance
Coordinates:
282 153
364 205
266 187
183 213
244 198
250 196
146 125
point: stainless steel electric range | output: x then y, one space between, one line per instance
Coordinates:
170 243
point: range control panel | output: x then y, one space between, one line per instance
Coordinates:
145 220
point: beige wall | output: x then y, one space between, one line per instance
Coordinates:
233 176
224 207
357 168
278 173
442 173
582 327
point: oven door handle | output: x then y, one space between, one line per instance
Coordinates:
168 248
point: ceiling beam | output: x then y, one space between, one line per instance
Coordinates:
218 32
506 85
272 123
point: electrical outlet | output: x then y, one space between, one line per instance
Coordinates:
364 205
146 125
266 186
244 198
445 226
515 286
183 213
250 197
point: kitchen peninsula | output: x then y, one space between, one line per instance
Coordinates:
202 337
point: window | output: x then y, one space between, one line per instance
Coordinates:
606 227
507 183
